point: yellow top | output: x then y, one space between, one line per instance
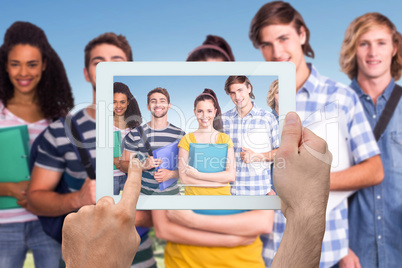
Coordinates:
190 138
183 256
195 190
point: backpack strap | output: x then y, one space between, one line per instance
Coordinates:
144 139
76 138
388 111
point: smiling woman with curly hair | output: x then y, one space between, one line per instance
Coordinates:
126 116
34 89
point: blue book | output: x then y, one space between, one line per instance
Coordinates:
169 155
218 212
207 157
210 158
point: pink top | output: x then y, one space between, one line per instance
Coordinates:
8 119
123 132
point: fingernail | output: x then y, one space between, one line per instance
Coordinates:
291 118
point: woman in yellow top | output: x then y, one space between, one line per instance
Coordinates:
207 112
206 108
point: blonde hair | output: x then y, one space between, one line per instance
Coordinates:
355 30
271 95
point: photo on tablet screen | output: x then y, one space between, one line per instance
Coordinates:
201 131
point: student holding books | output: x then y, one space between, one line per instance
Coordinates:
207 112
33 90
126 116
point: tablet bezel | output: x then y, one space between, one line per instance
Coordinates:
106 71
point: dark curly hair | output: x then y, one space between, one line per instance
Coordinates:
132 115
209 94
53 91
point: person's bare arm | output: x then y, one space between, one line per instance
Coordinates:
116 162
170 231
249 156
144 218
249 223
162 174
301 178
194 182
124 162
16 190
44 201
350 261
185 171
367 173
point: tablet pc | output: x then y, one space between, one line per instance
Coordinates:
185 79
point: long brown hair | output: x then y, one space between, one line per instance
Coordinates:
279 12
209 94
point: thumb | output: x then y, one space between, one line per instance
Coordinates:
291 134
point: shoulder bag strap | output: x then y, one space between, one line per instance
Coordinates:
387 112
144 139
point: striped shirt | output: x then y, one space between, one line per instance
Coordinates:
320 100
56 152
8 119
258 128
157 138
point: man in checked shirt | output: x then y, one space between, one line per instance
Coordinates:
281 34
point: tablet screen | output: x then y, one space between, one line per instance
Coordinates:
184 82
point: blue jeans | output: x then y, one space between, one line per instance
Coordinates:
17 238
118 183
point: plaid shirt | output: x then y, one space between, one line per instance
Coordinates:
241 131
320 98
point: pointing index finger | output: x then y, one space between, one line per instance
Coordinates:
132 187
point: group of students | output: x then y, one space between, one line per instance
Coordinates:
366 232
229 239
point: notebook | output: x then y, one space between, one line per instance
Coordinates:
207 157
210 158
14 159
169 155
116 145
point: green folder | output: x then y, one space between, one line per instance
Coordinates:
14 159
117 145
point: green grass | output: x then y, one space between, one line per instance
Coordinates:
29 262
157 245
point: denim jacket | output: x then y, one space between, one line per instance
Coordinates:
375 213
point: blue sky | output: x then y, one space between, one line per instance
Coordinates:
168 30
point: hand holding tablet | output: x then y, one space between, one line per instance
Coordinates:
90 238
98 235
301 178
